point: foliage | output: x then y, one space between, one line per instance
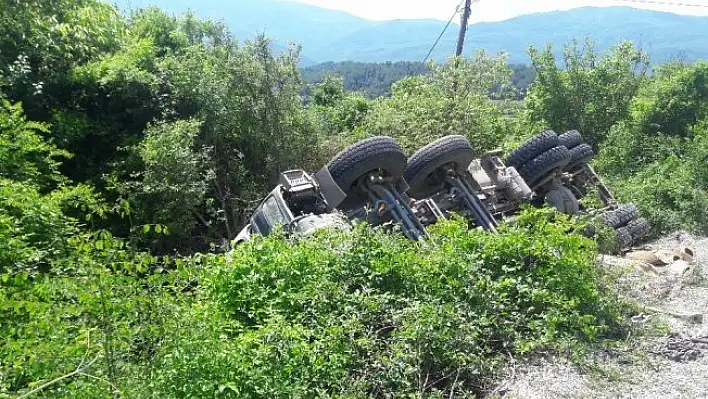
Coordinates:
132 144
672 191
102 311
675 100
24 153
337 113
33 227
522 77
342 314
657 157
35 216
42 40
590 93
452 99
358 317
162 70
175 178
374 79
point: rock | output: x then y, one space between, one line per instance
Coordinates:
679 349
645 256
679 268
667 257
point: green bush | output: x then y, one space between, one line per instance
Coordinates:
452 99
376 314
25 154
356 314
590 92
103 309
657 157
33 228
672 192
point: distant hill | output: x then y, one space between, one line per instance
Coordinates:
328 35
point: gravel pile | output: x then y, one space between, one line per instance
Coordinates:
676 365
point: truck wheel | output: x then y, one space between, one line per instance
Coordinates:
621 216
557 157
533 148
638 229
571 139
624 238
420 172
380 153
579 154
632 233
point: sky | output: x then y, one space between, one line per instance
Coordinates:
488 10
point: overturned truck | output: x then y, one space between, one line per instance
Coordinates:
373 181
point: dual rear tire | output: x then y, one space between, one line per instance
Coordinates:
539 157
630 227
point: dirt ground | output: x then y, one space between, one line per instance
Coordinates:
670 365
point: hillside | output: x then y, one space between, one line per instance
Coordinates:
133 153
328 35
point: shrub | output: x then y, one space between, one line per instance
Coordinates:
451 99
590 93
657 157
376 314
672 192
25 154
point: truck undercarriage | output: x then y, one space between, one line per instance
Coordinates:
374 181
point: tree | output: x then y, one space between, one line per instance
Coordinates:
452 99
374 79
42 40
590 93
175 177
675 100
26 156
329 92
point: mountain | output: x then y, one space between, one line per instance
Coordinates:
328 35
283 21
662 35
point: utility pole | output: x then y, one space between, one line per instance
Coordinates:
463 27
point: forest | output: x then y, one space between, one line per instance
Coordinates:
376 79
134 147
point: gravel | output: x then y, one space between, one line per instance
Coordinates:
675 365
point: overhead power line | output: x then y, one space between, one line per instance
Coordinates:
665 3
457 9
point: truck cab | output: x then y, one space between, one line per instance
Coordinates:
296 205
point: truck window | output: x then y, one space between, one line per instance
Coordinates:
273 213
268 216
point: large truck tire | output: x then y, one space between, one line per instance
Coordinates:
563 200
638 228
380 153
555 158
420 175
571 139
532 149
621 216
579 154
